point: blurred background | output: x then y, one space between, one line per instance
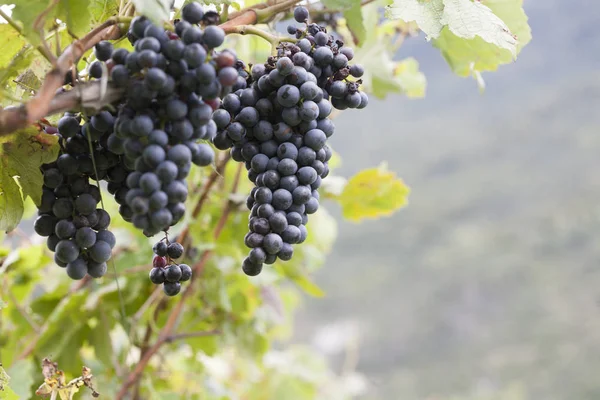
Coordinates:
488 283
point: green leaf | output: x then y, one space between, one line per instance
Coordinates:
10 45
100 339
21 155
157 10
472 36
76 14
427 14
101 10
22 377
6 393
27 12
354 20
300 279
11 202
467 57
383 75
373 193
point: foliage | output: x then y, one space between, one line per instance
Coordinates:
472 36
224 346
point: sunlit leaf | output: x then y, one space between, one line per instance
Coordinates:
373 193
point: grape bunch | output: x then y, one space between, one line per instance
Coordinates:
69 216
165 271
173 81
278 126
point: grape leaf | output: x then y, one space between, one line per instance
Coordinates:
373 193
10 45
472 36
427 14
101 10
354 19
22 153
27 12
22 377
300 279
157 10
467 19
76 14
467 57
383 75
11 202
6 393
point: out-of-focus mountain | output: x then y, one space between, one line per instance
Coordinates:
491 276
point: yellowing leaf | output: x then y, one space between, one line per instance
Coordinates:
373 193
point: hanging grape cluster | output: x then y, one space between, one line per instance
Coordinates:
165 271
278 126
69 216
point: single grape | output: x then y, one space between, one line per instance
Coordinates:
301 14
171 288
100 251
67 251
251 268
173 273
192 13
106 236
77 269
186 272
175 250
157 276
159 262
96 270
160 248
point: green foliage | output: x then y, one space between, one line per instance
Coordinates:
472 36
6 393
22 154
383 75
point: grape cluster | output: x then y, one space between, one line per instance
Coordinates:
173 81
165 271
278 126
69 216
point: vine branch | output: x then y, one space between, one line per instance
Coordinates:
14 118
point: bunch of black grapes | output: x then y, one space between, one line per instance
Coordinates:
278 126
69 216
173 82
165 271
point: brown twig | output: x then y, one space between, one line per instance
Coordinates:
179 336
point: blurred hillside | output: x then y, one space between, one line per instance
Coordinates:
491 276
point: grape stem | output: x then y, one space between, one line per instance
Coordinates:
252 30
